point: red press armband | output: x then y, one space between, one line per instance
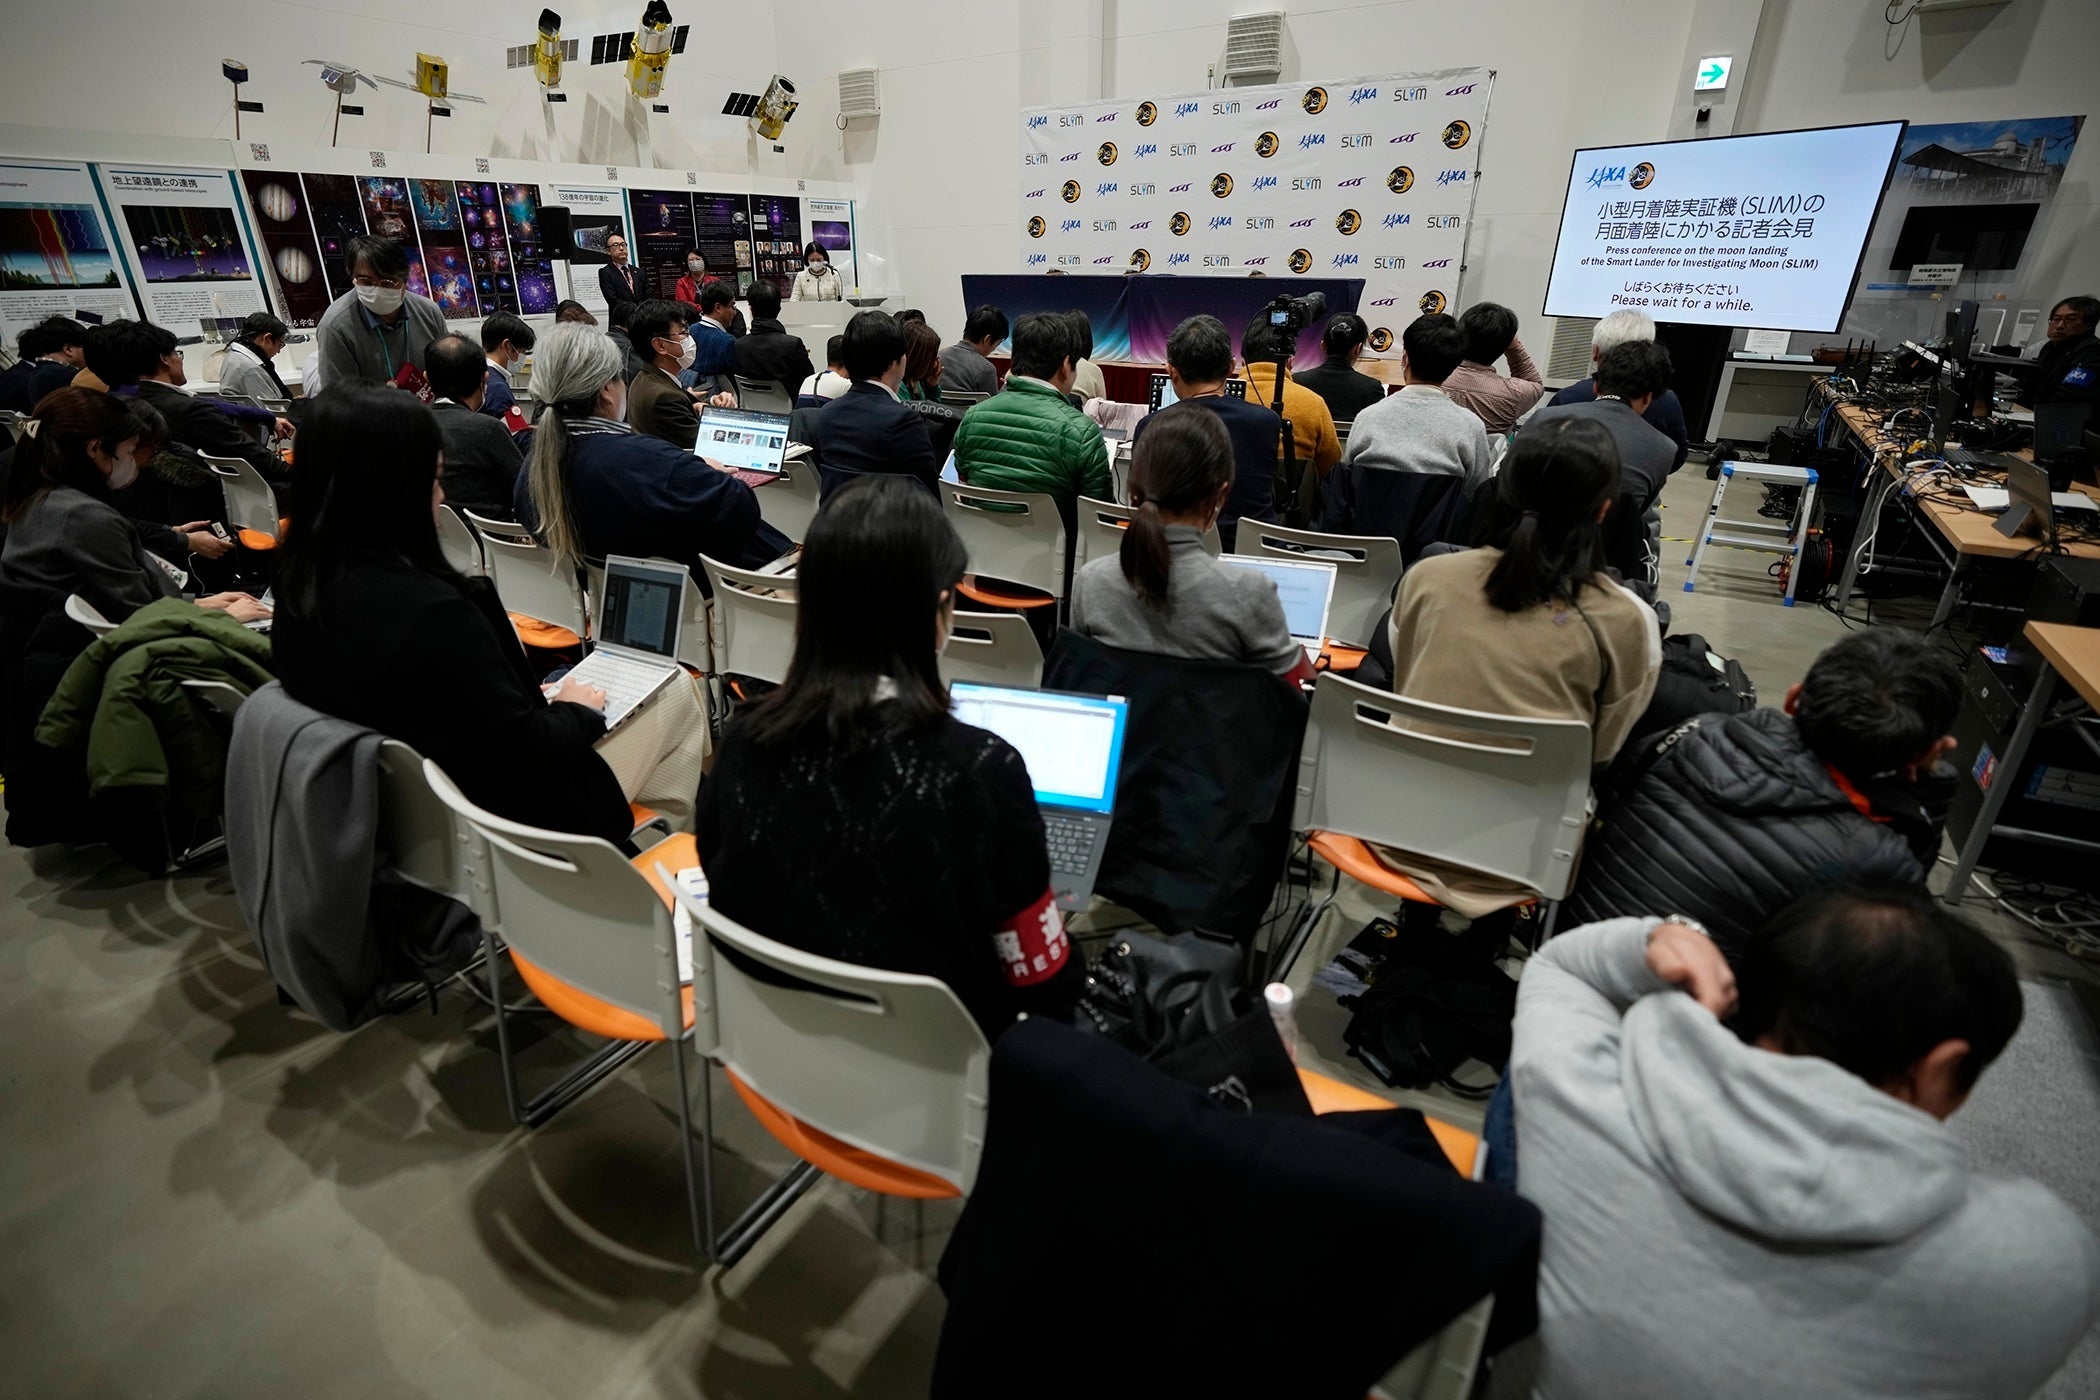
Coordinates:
514 419
1032 946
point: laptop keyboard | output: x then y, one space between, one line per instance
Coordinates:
626 681
1071 843
755 479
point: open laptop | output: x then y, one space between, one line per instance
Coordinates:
1073 746
2027 500
752 445
637 649
1306 590
1163 390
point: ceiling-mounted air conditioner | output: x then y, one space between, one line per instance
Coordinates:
1254 48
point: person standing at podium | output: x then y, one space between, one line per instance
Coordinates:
817 281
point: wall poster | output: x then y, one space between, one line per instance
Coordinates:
56 257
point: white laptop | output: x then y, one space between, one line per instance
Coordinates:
1305 589
1073 746
752 445
637 647
1997 498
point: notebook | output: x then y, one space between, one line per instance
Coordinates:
752 445
636 653
1163 391
1306 590
1073 746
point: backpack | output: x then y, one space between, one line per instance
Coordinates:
1694 680
1430 1005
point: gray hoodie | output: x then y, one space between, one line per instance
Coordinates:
1722 1221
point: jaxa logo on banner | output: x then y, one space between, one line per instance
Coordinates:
1301 259
1265 144
1038 120
1450 177
1187 109
1362 94
1107 154
1265 182
1071 192
1457 134
1381 340
1400 179
1345 260
1218 221
1396 221
1432 303
1177 259
1643 176
1178 225
1038 259
1221 184
1069 225
1036 226
1140 260
1148 148
1108 188
1311 139
1315 102
1348 222
1147 113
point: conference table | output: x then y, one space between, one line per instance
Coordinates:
1959 533
2070 656
1133 315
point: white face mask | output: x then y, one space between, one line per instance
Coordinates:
686 353
695 266
382 301
123 472
818 267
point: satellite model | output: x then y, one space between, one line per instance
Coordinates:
342 80
646 51
431 77
545 55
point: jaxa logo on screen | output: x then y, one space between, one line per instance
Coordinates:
1640 177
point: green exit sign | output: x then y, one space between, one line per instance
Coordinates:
1711 74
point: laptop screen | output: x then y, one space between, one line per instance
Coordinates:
1163 391
1072 744
735 437
643 601
1306 591
949 473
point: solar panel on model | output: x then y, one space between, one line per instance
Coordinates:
618 48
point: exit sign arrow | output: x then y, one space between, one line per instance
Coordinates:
1711 73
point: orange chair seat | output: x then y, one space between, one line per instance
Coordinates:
1027 597
1341 658
545 635
840 1159
594 1014
254 539
1334 1096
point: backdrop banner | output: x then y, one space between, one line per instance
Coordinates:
1370 178
1132 316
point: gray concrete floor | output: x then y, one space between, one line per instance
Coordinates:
202 1193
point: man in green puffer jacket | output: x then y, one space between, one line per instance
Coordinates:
122 700
1029 437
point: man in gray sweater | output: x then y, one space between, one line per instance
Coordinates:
377 328
1775 1206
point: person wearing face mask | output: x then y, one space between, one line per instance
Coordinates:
594 486
138 357
934 853
378 328
248 367
656 403
65 536
816 281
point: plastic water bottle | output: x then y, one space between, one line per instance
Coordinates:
1280 1000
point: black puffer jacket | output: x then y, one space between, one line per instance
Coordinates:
1736 820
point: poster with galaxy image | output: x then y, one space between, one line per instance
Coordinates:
55 257
388 214
722 229
663 235
447 271
279 205
776 227
182 237
532 263
338 213
488 248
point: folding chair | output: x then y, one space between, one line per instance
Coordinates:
13 422
791 502
461 549
963 398
251 506
1101 526
880 1079
88 615
993 649
754 622
592 937
1013 538
544 600
764 395
1367 571
1504 796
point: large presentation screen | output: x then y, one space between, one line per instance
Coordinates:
1763 231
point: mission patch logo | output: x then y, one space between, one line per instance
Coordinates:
1265 144
1221 184
1642 176
1400 180
1147 113
1348 222
1036 226
1070 192
1432 303
1301 259
1457 134
1178 225
1107 154
1315 102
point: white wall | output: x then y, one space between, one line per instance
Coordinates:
937 175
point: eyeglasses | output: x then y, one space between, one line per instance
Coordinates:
2068 318
396 283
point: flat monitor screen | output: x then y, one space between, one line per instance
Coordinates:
752 442
1765 231
1981 237
1072 744
641 605
1163 391
1305 590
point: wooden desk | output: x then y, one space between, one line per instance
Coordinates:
2071 655
1967 535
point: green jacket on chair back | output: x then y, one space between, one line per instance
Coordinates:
1030 438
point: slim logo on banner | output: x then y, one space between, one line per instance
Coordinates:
1356 147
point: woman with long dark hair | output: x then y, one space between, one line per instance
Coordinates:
1163 592
375 627
850 815
1531 623
818 280
922 364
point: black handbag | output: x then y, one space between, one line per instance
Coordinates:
1155 993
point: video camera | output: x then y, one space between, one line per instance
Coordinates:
1291 314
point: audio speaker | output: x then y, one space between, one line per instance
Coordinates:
557 230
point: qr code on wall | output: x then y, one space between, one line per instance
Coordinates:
692 177
481 165
612 172
378 160
258 150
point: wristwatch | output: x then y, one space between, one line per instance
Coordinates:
1689 922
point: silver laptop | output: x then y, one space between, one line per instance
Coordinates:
1073 746
750 444
1306 590
2029 501
636 654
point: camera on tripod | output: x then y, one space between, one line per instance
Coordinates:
1291 315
